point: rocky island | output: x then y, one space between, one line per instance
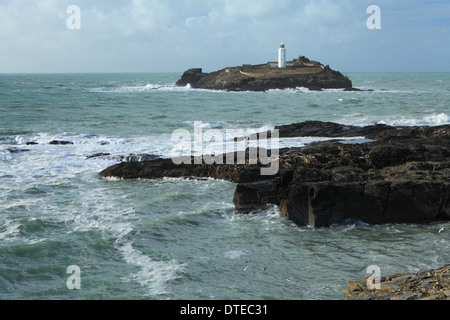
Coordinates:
397 175
300 72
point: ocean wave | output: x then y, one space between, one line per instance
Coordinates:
435 119
76 139
9 230
153 275
147 88
292 90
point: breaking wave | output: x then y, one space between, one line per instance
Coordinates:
147 88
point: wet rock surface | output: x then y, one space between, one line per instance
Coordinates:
60 142
400 176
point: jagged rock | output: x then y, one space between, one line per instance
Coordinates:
97 155
58 142
256 195
330 130
160 168
399 176
139 157
424 285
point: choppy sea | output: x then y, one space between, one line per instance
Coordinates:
176 239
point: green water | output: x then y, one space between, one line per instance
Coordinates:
174 238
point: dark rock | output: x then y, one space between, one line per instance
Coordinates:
31 143
405 180
331 130
58 142
160 168
192 76
17 150
97 155
399 176
256 195
139 157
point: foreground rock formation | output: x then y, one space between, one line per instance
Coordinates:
424 285
301 73
400 175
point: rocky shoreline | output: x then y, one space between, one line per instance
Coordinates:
398 175
423 285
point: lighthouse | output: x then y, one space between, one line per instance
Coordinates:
282 56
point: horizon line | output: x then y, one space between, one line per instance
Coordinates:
178 72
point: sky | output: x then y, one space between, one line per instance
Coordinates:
42 36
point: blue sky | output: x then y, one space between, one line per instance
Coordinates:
172 36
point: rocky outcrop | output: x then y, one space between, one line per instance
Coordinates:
59 142
264 77
400 175
424 285
161 168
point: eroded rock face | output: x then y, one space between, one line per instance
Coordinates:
400 176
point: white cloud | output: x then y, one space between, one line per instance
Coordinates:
118 35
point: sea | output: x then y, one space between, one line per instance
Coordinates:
68 234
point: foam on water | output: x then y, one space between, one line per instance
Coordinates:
149 87
154 275
433 119
9 230
178 229
48 166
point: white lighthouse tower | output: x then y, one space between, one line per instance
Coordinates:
282 56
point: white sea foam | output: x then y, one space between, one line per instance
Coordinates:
9 230
100 211
235 254
291 90
147 88
97 209
433 119
153 275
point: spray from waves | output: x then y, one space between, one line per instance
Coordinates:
99 208
363 119
433 119
9 230
154 275
115 219
148 88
